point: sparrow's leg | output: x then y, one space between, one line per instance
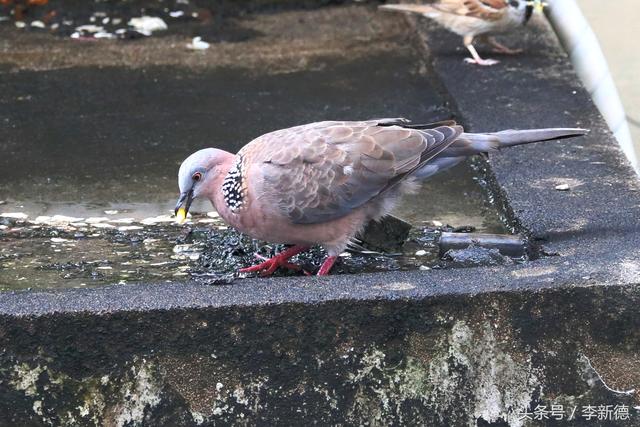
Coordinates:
468 42
500 48
270 265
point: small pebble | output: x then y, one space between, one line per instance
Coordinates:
562 187
14 215
177 249
89 29
158 219
95 220
130 228
38 24
102 225
198 44
20 24
122 221
424 268
421 252
147 24
59 240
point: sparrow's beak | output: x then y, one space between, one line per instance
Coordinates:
183 205
538 5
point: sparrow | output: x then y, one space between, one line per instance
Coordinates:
476 18
321 183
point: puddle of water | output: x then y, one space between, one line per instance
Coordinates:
84 141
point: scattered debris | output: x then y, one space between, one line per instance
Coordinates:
95 220
57 220
122 221
512 245
59 240
130 228
147 24
475 256
387 235
198 44
102 225
14 215
159 219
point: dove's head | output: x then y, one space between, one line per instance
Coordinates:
198 176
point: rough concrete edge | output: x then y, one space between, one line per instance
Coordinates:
394 285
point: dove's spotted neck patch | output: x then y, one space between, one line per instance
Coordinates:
232 186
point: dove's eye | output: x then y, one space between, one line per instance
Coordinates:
197 176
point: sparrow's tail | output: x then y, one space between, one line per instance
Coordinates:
413 8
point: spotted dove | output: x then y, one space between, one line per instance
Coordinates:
321 183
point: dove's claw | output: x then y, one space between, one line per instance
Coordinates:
270 265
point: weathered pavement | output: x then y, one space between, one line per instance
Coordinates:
475 346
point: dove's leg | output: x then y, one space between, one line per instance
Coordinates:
468 42
326 265
270 265
500 48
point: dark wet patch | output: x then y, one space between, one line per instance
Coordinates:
93 138
475 256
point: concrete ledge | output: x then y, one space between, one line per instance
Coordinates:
445 347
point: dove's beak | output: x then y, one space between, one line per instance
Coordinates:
183 205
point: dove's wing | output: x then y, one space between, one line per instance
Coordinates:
322 171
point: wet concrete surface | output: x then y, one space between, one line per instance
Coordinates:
374 348
94 136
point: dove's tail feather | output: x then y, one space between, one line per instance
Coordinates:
469 144
484 142
509 138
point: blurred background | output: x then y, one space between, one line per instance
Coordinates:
617 26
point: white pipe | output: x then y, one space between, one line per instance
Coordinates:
583 48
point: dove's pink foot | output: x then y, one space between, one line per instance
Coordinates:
268 267
326 265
